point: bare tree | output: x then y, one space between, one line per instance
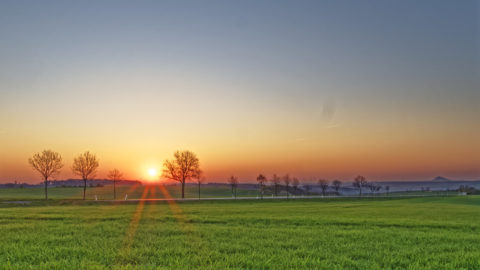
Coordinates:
233 181
275 183
337 184
261 180
286 180
200 180
115 175
295 184
372 187
359 182
323 185
307 188
48 163
182 168
85 165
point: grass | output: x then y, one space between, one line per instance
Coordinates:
415 233
106 192
136 192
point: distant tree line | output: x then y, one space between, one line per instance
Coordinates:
292 185
185 167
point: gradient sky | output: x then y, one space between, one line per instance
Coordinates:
331 89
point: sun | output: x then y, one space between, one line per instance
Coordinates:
152 172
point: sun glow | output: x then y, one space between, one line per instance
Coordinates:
152 172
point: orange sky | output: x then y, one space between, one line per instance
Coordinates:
385 148
314 89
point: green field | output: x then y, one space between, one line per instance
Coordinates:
416 233
106 192
136 192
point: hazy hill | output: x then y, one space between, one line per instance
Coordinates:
441 179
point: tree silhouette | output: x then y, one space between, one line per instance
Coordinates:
47 163
85 165
261 179
286 180
183 167
276 183
233 181
307 188
336 185
200 180
114 175
359 182
323 185
295 184
371 186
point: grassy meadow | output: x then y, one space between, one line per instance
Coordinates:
133 192
414 233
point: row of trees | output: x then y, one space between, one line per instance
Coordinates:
184 166
294 182
276 183
359 182
49 163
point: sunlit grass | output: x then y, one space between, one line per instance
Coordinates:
434 233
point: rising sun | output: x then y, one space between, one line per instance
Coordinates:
152 172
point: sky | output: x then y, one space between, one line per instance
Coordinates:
317 89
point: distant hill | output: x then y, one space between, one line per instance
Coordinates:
441 179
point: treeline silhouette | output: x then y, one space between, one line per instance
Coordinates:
185 167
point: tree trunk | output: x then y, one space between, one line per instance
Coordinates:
199 190
183 189
46 191
84 187
114 190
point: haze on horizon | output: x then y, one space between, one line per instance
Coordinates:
332 89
